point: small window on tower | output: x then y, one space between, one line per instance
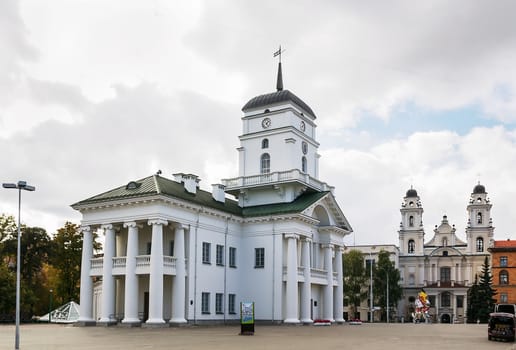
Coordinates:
265 163
479 218
411 221
411 246
480 244
303 164
265 143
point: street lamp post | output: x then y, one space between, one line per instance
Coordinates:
21 185
371 283
50 307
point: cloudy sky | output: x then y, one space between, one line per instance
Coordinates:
96 93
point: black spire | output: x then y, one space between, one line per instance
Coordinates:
279 83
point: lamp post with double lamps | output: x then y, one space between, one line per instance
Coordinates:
21 185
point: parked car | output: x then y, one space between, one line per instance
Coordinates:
502 323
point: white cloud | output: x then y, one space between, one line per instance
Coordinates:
107 92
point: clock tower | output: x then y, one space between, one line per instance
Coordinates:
278 157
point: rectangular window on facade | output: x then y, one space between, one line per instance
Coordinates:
231 303
219 255
445 300
219 303
232 257
431 299
259 257
503 298
205 303
445 274
171 248
460 301
503 261
149 247
206 247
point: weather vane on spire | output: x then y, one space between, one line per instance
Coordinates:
278 53
279 81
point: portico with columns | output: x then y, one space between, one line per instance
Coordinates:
174 253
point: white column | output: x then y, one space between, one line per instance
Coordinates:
306 293
338 306
131 280
86 298
156 273
108 281
328 290
179 282
291 295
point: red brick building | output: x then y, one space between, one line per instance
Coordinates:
503 261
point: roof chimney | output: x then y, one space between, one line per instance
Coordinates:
190 181
218 192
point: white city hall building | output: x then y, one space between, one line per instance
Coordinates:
176 254
445 266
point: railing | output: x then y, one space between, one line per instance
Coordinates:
278 176
119 264
142 261
119 261
169 261
97 263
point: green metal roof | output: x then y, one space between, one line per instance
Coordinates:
157 185
298 205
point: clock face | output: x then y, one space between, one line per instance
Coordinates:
266 123
303 126
304 147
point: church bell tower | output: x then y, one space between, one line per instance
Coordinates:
411 233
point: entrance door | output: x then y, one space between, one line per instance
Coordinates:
445 318
145 306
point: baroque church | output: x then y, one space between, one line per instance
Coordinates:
444 266
174 253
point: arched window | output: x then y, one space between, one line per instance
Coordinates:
479 218
504 277
265 143
411 221
265 163
480 244
411 246
303 164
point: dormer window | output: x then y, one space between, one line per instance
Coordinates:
265 143
479 218
132 185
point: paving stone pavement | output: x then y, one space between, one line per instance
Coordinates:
363 337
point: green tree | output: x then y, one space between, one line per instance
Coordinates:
486 293
473 302
385 272
354 279
66 260
35 246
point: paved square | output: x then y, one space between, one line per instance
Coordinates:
366 337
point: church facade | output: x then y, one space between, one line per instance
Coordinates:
174 253
444 266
